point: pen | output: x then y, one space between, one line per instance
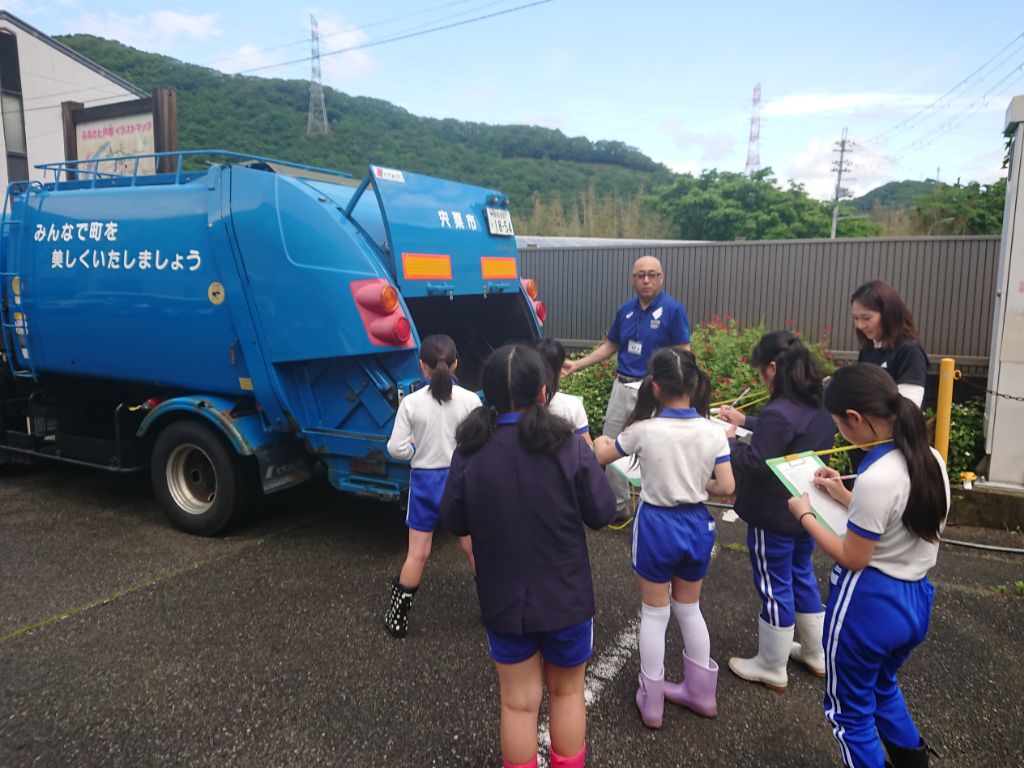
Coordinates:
840 477
742 395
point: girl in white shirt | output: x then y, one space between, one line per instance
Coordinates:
424 432
568 407
683 458
881 599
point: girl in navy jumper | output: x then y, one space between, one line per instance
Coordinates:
780 550
424 432
522 487
683 458
881 599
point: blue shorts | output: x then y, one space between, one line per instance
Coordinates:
426 486
672 541
567 647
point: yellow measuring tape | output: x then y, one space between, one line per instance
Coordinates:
751 398
827 451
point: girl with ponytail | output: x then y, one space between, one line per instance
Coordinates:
523 487
424 432
683 458
780 550
881 599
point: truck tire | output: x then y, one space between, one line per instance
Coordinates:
202 484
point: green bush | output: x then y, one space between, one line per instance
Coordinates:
966 436
721 347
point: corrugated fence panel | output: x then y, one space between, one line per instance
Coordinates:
948 282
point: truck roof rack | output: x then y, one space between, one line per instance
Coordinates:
123 171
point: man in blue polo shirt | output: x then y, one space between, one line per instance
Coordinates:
643 325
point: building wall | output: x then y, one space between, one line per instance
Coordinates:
50 76
948 283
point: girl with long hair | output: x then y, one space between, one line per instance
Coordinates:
523 488
683 458
880 602
780 550
424 432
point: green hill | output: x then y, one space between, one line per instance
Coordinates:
895 194
550 178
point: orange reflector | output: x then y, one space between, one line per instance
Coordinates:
498 267
389 299
530 286
426 266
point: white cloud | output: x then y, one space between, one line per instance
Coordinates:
711 147
156 31
246 57
812 167
340 69
172 24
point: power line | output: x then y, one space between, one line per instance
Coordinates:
906 123
348 30
397 37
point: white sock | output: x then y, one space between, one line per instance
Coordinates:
653 623
696 639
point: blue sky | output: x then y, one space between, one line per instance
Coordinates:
922 87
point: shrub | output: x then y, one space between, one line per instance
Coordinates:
722 349
966 436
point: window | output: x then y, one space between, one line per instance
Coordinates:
12 108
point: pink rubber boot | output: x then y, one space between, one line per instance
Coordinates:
650 700
557 761
697 689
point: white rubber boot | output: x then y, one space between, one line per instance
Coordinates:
809 650
769 666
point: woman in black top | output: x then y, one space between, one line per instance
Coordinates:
888 337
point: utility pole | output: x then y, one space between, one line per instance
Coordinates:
317 111
840 167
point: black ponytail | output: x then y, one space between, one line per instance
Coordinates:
554 355
797 376
513 377
675 369
870 391
438 353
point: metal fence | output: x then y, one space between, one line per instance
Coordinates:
948 283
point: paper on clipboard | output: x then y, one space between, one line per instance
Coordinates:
627 469
797 474
740 431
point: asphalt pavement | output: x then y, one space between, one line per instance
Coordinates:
126 643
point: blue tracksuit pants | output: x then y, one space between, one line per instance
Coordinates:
872 623
783 575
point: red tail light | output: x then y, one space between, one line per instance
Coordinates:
541 310
395 330
385 323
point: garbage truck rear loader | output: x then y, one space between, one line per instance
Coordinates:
229 328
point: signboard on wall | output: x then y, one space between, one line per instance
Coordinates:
117 137
110 132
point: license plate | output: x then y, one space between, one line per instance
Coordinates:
499 222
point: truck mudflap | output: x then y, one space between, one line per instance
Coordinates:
282 457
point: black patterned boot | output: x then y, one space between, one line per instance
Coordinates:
901 757
397 618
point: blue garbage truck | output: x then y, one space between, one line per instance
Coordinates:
231 322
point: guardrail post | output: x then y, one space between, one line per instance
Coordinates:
944 406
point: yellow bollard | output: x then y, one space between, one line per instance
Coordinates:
944 406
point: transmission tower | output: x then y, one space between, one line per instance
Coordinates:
317 111
841 166
754 145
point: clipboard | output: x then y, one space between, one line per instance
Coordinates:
796 473
630 473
